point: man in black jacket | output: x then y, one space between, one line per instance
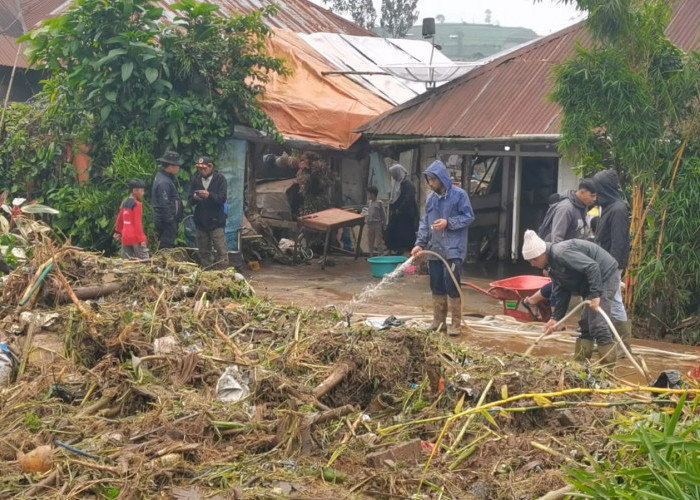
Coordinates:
583 268
165 200
208 194
613 235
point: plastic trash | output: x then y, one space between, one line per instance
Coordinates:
8 362
232 386
166 345
383 324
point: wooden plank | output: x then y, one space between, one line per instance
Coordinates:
331 218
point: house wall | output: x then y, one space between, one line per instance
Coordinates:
567 178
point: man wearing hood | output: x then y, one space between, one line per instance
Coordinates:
613 235
444 230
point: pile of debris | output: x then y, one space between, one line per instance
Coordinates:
156 379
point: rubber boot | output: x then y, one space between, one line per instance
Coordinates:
439 313
625 331
608 355
455 329
583 350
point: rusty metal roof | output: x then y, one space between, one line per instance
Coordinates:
14 22
508 97
301 16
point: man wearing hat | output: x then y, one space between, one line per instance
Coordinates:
583 268
208 195
165 199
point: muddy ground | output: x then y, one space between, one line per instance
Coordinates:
308 285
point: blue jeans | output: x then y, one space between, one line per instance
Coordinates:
440 281
546 292
617 308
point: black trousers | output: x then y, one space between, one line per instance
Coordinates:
167 232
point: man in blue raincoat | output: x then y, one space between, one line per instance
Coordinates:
444 230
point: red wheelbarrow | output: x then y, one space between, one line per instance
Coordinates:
512 291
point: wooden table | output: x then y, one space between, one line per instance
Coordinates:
330 221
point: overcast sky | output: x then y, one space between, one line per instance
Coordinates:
544 17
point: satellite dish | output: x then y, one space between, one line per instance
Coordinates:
430 73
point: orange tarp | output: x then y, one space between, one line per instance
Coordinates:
311 107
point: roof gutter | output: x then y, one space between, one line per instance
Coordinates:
467 140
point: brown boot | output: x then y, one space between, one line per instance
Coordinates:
455 329
583 350
608 355
439 313
625 331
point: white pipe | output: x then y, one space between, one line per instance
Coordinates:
517 189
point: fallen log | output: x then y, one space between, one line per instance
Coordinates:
341 370
90 292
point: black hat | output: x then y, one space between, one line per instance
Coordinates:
170 158
204 160
137 184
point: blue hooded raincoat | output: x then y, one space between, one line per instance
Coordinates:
454 206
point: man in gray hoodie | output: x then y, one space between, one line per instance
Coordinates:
566 219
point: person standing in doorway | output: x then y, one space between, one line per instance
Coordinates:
165 200
403 212
208 195
444 230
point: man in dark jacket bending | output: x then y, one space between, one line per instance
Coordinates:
583 268
613 235
165 200
208 194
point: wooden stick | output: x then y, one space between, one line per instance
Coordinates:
557 494
242 358
44 483
104 468
27 345
319 418
341 370
83 310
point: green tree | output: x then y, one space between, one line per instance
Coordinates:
121 65
398 16
362 12
629 98
130 82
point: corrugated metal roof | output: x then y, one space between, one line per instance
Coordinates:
15 22
301 16
296 15
508 96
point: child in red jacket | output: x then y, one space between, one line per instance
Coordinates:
130 226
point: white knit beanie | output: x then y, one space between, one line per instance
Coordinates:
533 245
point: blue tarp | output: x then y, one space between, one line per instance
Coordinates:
232 163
